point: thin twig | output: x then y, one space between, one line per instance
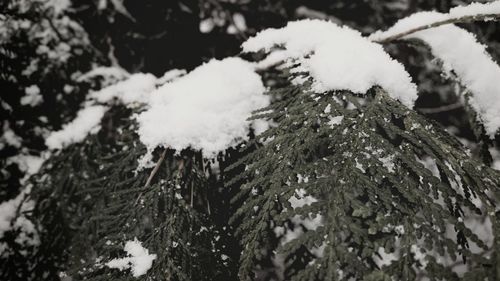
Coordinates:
440 109
481 17
156 168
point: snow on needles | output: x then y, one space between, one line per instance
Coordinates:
134 89
207 109
337 58
87 121
460 52
139 260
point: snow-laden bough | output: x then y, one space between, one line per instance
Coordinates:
205 110
337 58
460 53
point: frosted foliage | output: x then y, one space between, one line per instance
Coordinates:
427 18
12 218
476 8
135 89
87 121
206 110
337 58
32 97
459 52
139 260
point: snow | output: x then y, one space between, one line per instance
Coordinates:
426 18
170 75
29 164
9 137
136 88
109 73
139 260
8 211
475 8
207 25
206 109
461 53
10 219
388 163
59 6
32 97
87 121
338 58
335 120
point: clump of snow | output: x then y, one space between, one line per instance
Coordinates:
9 137
29 164
136 88
8 211
335 120
108 73
170 75
87 121
338 58
32 97
139 260
239 24
206 110
475 8
207 25
11 218
59 6
424 19
461 53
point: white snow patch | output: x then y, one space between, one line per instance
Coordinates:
206 109
475 8
59 6
419 254
139 260
9 137
239 21
170 76
108 73
136 88
338 58
335 120
10 219
32 97
383 258
300 199
388 163
207 25
87 121
29 164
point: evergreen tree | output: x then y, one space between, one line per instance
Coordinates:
324 181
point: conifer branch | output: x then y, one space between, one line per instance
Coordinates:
466 19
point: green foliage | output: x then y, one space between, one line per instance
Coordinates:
347 181
86 217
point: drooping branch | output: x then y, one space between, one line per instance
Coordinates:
465 19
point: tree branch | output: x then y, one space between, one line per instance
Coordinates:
481 17
440 109
156 168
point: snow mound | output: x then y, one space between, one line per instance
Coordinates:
207 109
337 58
139 260
87 121
459 52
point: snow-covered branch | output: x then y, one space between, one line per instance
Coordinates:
465 19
